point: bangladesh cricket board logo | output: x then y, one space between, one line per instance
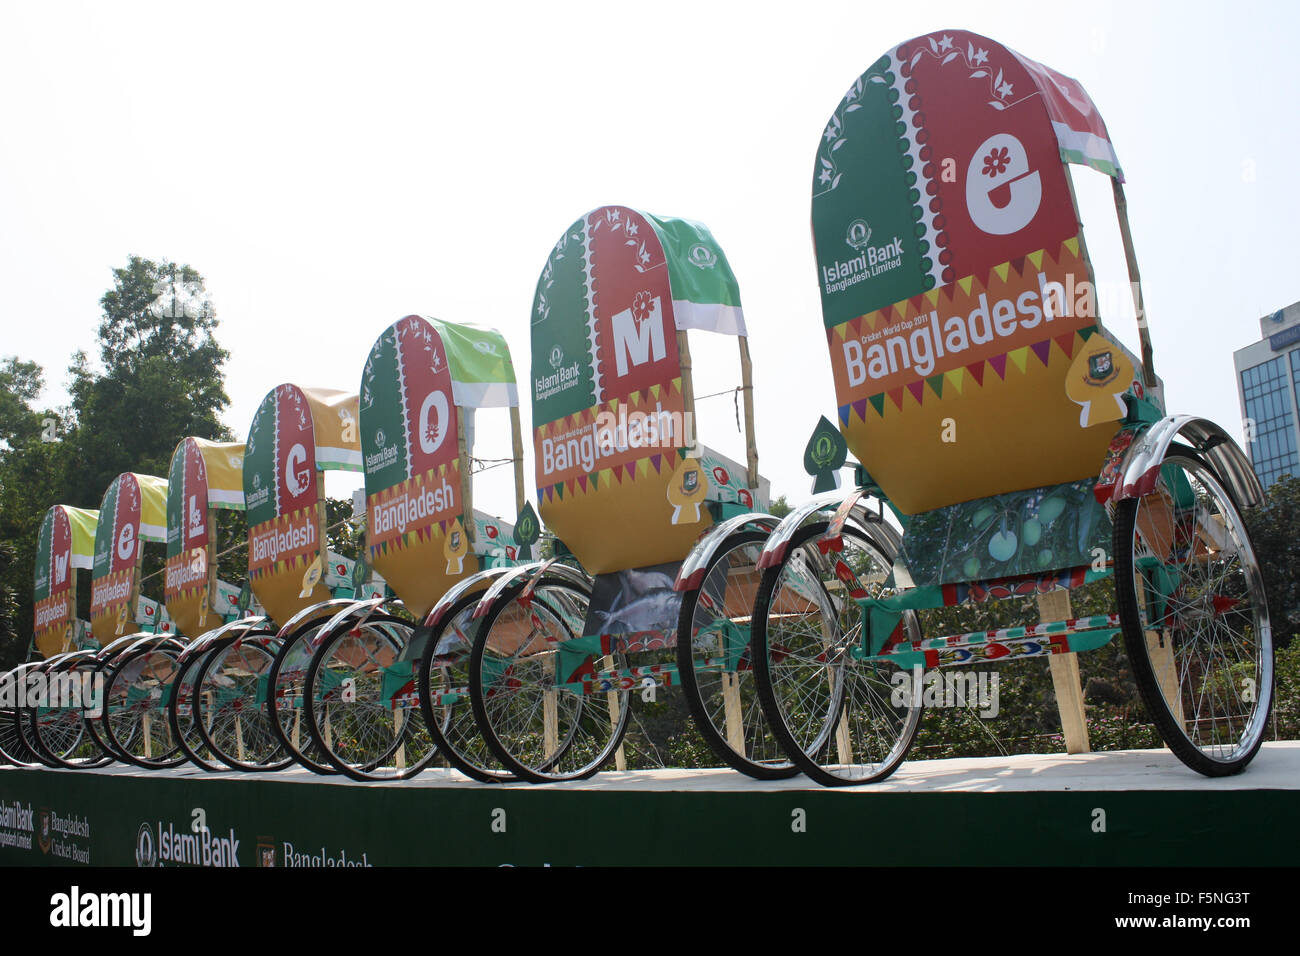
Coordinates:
859 234
1101 368
44 838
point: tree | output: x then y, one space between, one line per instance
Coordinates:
161 380
1275 537
162 377
12 643
20 385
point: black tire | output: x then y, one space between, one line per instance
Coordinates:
706 687
854 715
589 737
381 747
1202 655
268 752
452 725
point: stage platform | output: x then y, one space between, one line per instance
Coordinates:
1132 808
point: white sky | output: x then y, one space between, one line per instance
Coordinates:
331 168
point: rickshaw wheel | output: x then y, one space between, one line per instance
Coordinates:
452 725
180 715
540 730
135 718
287 676
1195 619
835 716
349 717
715 662
225 712
62 737
27 717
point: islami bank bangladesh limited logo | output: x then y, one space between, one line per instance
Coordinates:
146 851
858 235
556 357
702 256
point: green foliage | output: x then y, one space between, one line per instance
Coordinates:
20 385
780 507
11 643
160 380
1286 699
345 537
1275 535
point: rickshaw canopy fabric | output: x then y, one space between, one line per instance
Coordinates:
610 431
296 435
956 291
134 510
204 475
66 542
419 376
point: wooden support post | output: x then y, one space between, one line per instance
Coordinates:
688 390
398 714
747 395
550 722
1135 283
239 739
615 717
517 450
1055 606
731 710
1161 654
466 482
297 728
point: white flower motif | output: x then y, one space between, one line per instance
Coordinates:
1004 90
831 131
980 58
945 43
825 177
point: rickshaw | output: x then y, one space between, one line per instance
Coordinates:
297 434
137 665
225 724
559 645
1020 447
55 730
423 384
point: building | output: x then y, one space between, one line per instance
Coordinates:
1268 380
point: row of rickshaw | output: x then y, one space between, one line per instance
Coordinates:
1006 445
